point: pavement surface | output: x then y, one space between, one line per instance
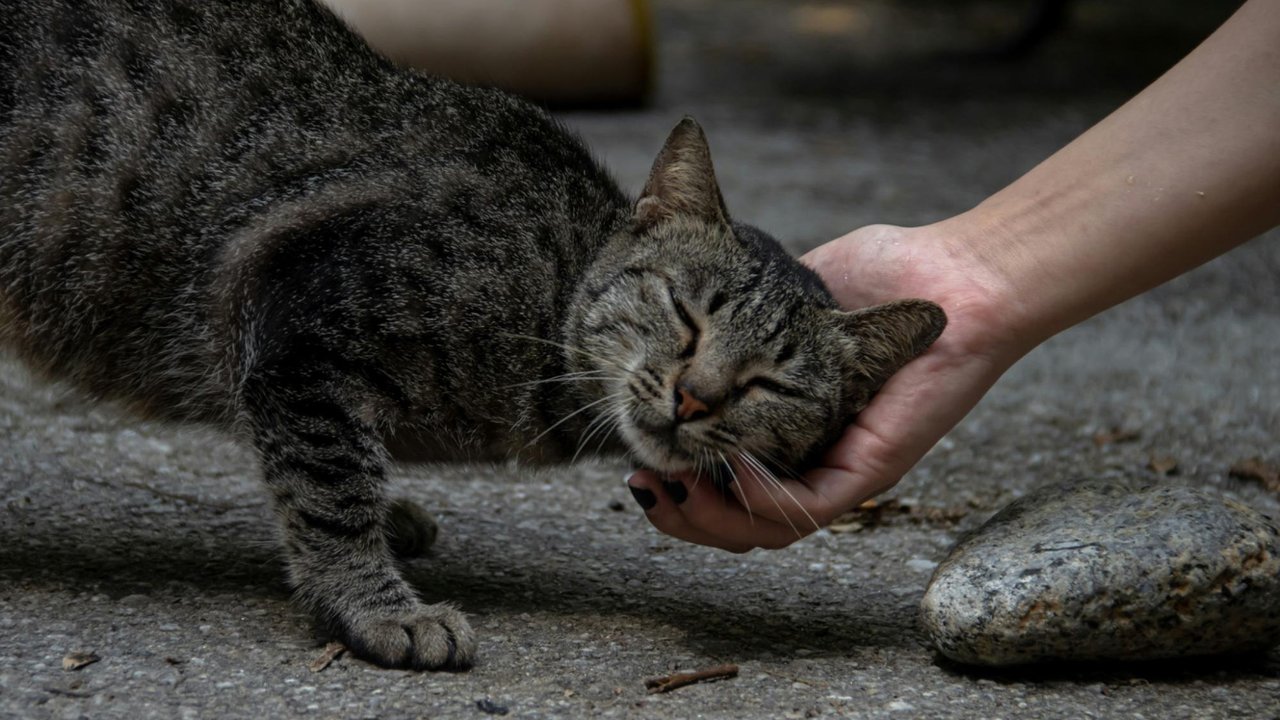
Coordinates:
153 546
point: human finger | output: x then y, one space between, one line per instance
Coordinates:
693 509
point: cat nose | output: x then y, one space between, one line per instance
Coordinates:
688 405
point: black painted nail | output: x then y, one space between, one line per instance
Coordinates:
676 489
646 499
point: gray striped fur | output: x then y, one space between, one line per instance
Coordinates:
234 213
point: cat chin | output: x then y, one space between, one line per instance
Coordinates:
662 462
652 455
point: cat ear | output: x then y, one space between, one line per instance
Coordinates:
682 181
888 336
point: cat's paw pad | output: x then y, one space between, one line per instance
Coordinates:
410 531
429 637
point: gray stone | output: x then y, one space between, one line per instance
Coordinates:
1097 570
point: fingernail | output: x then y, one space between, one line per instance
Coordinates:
646 498
676 489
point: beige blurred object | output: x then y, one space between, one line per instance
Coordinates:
558 51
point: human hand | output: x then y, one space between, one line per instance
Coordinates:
1180 174
914 409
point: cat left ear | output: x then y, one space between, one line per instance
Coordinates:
683 181
888 336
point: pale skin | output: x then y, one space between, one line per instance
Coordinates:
1185 171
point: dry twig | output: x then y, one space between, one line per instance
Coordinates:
875 513
674 681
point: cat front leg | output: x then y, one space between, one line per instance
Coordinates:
324 467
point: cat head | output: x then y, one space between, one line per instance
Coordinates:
714 341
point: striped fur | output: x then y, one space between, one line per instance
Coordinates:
234 213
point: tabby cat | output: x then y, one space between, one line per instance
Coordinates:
235 213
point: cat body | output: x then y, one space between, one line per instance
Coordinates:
235 213
146 198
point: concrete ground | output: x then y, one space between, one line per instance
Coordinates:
153 546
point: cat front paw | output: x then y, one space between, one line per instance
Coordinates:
426 637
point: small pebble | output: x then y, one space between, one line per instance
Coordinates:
921 564
489 707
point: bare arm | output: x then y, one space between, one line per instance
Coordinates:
1185 171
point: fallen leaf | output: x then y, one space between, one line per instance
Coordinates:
78 660
873 513
1258 471
1162 465
331 652
1115 435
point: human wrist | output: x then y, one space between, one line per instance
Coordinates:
982 251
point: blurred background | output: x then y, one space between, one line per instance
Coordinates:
856 111
845 51
827 115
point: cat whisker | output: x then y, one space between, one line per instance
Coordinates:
750 515
701 464
762 474
580 376
791 474
587 433
697 466
570 348
773 479
615 422
755 463
786 469
601 421
566 418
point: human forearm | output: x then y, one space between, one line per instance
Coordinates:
1183 172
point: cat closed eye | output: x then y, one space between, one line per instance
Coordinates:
772 386
694 331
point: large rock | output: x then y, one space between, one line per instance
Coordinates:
1096 570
